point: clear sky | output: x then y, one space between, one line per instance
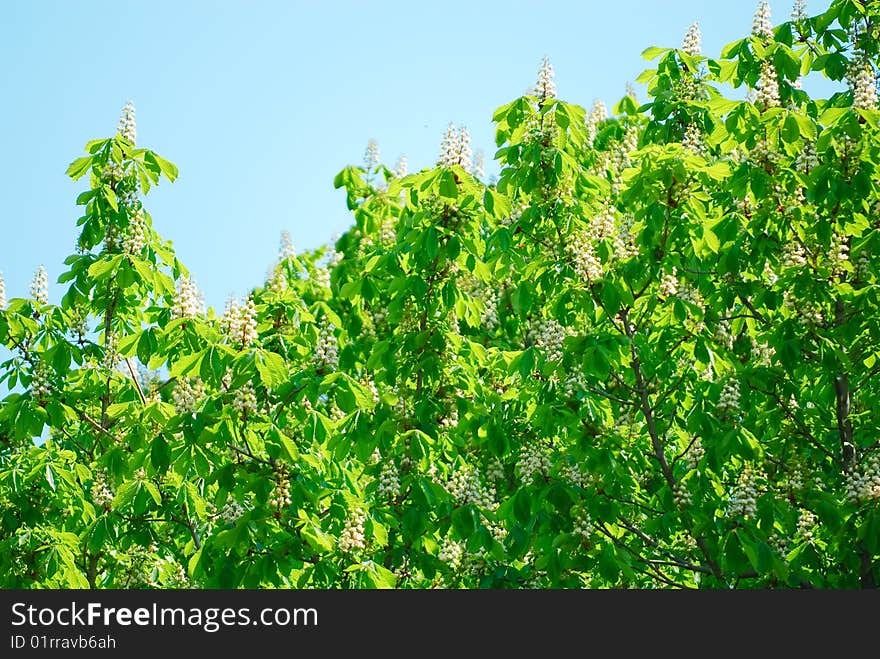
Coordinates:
261 103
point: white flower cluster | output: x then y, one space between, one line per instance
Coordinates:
863 484
371 155
113 171
326 353
681 495
489 317
694 454
102 495
762 353
799 11
336 414
280 496
40 287
807 312
41 385
188 301
479 167
625 240
231 512
807 158
188 395
286 248
693 140
466 487
455 149
401 168
111 239
574 383
767 89
598 114
2 293
806 523
389 481
839 252
111 352
573 473
602 226
769 274
863 84
723 335
276 280
582 524
628 144
135 238
244 401
545 87
387 234
140 563
128 195
794 480
548 335
793 255
176 574
370 385
495 470
764 151
496 530
587 265
352 537
150 382
762 25
863 266
728 401
778 543
693 40
403 571
451 553
239 321
449 419
669 284
127 126
744 498
533 462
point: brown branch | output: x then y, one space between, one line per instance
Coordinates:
137 383
97 426
647 410
748 304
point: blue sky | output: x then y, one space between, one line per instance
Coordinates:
261 103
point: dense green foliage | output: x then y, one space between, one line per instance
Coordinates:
646 356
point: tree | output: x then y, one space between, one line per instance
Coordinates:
646 356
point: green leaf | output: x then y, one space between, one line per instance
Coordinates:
316 538
186 364
125 493
78 167
380 576
272 369
653 52
153 491
711 239
522 508
169 169
102 268
448 186
194 562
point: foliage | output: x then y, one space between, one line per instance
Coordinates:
646 356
